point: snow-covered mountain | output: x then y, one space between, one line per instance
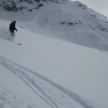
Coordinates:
62 19
42 72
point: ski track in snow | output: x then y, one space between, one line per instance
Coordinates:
42 87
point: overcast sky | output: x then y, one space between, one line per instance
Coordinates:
100 6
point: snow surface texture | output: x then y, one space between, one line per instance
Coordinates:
80 69
26 70
53 94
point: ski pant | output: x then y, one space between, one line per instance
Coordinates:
12 32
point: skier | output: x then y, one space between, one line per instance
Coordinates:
12 28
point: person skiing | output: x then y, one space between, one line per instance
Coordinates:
12 28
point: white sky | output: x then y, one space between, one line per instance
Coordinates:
100 6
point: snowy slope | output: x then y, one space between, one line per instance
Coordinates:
66 20
19 84
50 73
78 74
72 22
46 93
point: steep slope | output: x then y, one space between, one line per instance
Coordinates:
23 88
67 20
75 23
80 69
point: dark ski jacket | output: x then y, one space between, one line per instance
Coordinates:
12 27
